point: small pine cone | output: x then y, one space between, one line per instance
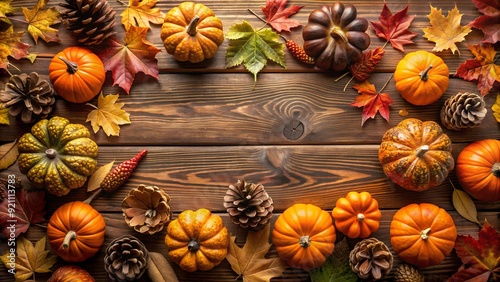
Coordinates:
371 259
91 21
116 177
408 273
248 205
298 52
146 209
125 259
463 110
28 96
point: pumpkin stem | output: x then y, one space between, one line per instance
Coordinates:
423 74
337 32
422 150
495 169
191 28
71 235
360 217
72 66
304 241
193 245
424 234
50 153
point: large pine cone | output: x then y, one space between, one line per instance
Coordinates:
463 110
126 259
371 259
91 21
408 273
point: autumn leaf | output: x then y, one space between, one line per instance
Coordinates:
250 262
30 259
480 257
464 205
5 8
11 45
371 101
39 21
8 154
126 58
484 68
489 22
29 209
336 267
496 108
141 13
253 47
395 27
96 178
277 16
445 31
362 69
108 114
4 115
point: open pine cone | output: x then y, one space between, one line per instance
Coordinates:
463 110
126 259
371 259
408 273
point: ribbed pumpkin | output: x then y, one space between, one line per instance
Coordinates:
77 74
76 231
197 240
421 77
191 32
416 154
71 273
422 234
57 155
357 215
478 169
304 236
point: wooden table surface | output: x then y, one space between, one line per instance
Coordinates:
205 127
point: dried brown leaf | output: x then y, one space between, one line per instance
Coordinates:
8 154
98 175
464 205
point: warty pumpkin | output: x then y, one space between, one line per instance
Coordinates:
197 240
422 234
71 273
77 74
478 169
191 32
421 77
76 231
57 155
357 215
304 236
416 155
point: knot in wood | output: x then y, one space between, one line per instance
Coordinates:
293 129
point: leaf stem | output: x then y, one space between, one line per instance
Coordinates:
340 77
92 105
89 199
255 14
18 20
122 2
387 82
383 46
345 86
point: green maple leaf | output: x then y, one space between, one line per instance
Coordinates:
253 48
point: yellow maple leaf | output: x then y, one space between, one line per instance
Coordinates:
39 21
496 108
108 114
445 31
140 13
5 8
4 115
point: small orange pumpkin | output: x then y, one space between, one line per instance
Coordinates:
357 215
77 74
304 236
422 234
71 273
76 231
421 77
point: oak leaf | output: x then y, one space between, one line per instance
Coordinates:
371 101
362 69
395 27
496 108
5 8
8 154
4 115
141 13
277 15
480 257
250 262
39 21
484 68
126 58
27 209
11 45
108 114
489 22
445 31
336 266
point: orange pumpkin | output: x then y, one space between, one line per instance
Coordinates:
304 236
77 74
357 215
71 273
478 170
76 231
421 77
191 32
422 234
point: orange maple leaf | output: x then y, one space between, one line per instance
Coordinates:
371 101
141 13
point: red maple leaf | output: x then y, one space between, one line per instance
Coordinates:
480 258
21 209
485 68
371 101
394 27
277 16
125 59
489 22
362 69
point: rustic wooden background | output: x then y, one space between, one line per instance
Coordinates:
205 128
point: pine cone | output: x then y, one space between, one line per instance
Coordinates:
371 259
91 21
248 205
408 273
146 209
28 96
463 110
125 259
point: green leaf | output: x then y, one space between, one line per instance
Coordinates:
253 48
464 205
336 268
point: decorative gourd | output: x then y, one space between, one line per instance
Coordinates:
197 240
416 155
76 231
478 169
421 77
191 32
335 37
71 273
357 215
304 236
422 234
57 155
77 74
